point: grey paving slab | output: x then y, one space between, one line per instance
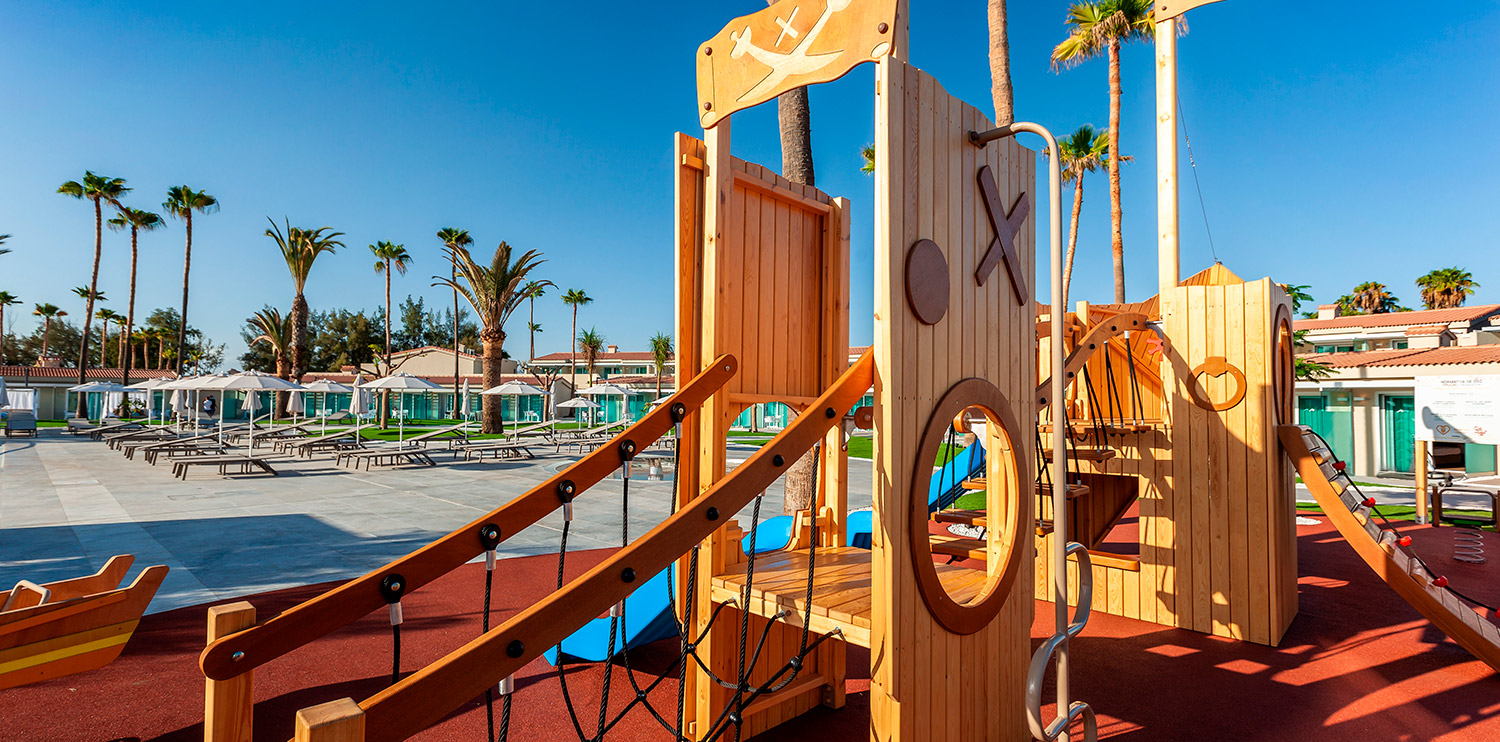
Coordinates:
68 504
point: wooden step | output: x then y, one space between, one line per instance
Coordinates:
1137 425
1044 528
1045 490
1084 454
974 518
963 548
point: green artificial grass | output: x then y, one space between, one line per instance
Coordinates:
1405 512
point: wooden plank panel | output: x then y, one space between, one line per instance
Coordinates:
1258 482
1198 491
1239 490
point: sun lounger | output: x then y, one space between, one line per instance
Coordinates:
536 430
185 450
20 423
131 447
437 436
343 439
497 448
384 455
116 440
78 426
246 464
99 431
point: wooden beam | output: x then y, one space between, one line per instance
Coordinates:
336 721
229 705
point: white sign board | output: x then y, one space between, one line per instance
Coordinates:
1458 409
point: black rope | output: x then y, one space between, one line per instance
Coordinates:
395 653
489 694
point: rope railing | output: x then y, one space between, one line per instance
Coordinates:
428 695
241 652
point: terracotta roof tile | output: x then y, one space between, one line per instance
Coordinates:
1426 330
102 374
1397 319
1449 356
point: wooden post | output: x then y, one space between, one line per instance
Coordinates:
336 721
1167 239
229 708
1420 465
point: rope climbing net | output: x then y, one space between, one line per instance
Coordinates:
747 658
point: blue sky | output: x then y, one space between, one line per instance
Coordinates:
1333 146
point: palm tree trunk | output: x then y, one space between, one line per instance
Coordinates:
573 357
46 333
530 324
88 311
491 411
385 397
1072 238
187 264
1000 86
457 398
130 310
2 334
658 381
1116 216
104 343
299 336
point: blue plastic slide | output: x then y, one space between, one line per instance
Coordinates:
648 618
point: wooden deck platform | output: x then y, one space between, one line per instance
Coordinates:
841 588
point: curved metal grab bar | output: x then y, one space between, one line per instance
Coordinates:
1043 658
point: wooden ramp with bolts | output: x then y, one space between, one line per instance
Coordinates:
1381 549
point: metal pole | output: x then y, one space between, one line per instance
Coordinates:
1055 394
1168 241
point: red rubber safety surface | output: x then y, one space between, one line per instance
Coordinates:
1357 664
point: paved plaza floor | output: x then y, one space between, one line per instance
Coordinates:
67 504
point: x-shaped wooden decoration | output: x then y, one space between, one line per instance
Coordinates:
1006 227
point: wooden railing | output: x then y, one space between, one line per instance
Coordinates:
430 694
231 657
1096 339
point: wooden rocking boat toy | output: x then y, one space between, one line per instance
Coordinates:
72 626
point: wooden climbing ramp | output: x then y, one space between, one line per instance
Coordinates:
1382 549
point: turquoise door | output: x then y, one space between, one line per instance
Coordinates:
1398 421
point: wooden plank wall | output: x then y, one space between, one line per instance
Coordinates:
1218 553
763 273
926 682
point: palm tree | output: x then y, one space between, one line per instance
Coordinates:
96 188
181 202
1000 87
534 290
575 298
1371 297
867 159
1297 292
494 291
389 256
3 238
47 312
89 298
1102 27
300 248
275 332
105 316
591 342
661 352
7 299
137 220
1081 152
454 239
1446 288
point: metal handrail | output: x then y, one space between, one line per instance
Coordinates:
1044 655
26 585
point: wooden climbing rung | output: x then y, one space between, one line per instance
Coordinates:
1043 528
1045 490
1084 454
963 548
1139 425
975 518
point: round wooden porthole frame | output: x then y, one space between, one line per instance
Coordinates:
1282 381
1217 366
967 618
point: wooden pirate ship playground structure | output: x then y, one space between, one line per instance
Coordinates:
1174 413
